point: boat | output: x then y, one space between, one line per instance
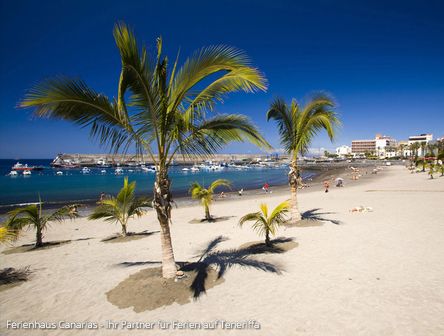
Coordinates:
21 167
101 163
151 169
194 169
118 171
86 170
185 169
103 171
26 172
13 173
59 173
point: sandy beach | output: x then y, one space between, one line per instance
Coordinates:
369 273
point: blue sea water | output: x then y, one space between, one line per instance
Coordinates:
73 185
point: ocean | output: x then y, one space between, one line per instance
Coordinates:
74 186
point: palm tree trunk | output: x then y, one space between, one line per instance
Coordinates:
267 238
124 233
38 238
162 205
293 181
207 212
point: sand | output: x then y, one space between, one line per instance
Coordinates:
372 273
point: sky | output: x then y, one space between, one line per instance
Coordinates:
381 60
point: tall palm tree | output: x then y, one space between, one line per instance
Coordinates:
206 195
32 216
121 208
297 127
159 111
265 223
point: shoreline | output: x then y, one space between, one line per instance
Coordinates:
322 172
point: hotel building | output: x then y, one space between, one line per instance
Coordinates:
382 146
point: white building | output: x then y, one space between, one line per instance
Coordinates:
343 150
422 138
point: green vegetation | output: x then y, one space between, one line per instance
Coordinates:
121 208
32 216
297 126
265 223
206 195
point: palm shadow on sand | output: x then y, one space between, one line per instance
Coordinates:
46 245
212 220
313 217
11 277
147 290
117 238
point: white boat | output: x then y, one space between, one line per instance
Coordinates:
13 173
59 173
118 171
26 172
151 169
103 171
185 169
86 170
194 169
130 171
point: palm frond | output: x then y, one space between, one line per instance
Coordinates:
7 235
219 183
72 100
235 72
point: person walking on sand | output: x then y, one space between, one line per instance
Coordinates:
266 187
241 192
326 185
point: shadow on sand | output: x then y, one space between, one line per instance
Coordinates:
117 238
212 220
313 217
147 290
11 277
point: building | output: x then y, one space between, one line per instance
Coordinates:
421 139
385 146
343 150
363 146
382 146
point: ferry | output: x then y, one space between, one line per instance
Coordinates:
22 167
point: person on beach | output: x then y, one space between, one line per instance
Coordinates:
240 192
101 197
266 187
222 195
326 185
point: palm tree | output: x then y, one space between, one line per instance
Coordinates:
206 195
121 208
266 224
159 111
297 127
431 169
32 216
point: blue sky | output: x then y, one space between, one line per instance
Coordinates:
381 60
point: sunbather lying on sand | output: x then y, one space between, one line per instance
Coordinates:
362 209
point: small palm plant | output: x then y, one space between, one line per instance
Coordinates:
121 208
265 223
431 169
206 195
32 216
